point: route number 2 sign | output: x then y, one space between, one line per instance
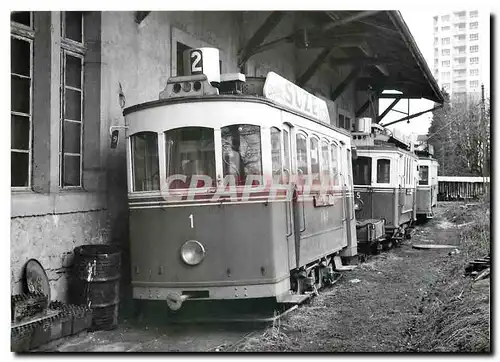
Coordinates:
196 57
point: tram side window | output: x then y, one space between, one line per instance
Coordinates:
325 161
335 165
241 152
315 158
276 153
190 151
301 154
286 150
383 171
423 175
362 170
145 164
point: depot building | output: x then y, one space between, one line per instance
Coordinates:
73 74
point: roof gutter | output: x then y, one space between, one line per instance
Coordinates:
403 29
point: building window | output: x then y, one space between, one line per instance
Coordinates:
436 52
445 63
435 20
473 25
474 84
474 60
445 41
21 70
460 37
181 48
436 41
473 14
341 121
72 56
460 26
460 61
445 28
445 18
474 48
473 37
445 52
474 72
445 75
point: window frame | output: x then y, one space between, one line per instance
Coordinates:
25 33
370 169
159 138
303 134
77 50
281 150
376 165
28 115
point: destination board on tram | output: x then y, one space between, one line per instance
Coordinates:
284 92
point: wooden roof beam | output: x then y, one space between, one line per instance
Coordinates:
388 109
345 83
313 67
348 19
269 24
140 16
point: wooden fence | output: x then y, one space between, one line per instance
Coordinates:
454 188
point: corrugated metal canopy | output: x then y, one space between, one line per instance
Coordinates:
379 43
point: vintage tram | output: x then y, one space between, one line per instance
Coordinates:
385 177
427 188
236 196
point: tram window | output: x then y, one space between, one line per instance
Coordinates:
302 154
286 150
335 164
241 151
314 157
145 163
190 151
383 171
362 170
325 160
276 152
423 175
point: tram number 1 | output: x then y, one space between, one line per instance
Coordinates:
196 62
191 218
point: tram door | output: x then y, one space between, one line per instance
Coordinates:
290 204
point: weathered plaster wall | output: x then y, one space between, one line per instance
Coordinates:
51 239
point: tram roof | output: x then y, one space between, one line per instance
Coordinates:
379 43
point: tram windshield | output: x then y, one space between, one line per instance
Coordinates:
241 152
190 151
383 171
145 165
423 175
362 170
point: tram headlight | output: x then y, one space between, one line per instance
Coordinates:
358 205
192 252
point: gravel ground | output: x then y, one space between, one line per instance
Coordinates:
402 300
